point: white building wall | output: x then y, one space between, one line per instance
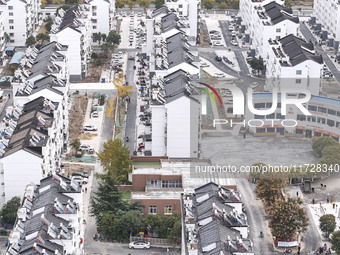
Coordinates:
328 14
159 124
101 16
71 38
20 164
179 128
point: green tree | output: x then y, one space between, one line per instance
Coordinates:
327 224
107 199
110 226
131 4
113 38
10 209
209 4
159 3
132 221
115 159
269 189
320 143
119 4
235 4
287 218
288 3
257 64
144 3
104 37
7 37
330 155
75 144
336 242
97 37
107 48
30 41
48 25
256 170
42 37
152 222
223 5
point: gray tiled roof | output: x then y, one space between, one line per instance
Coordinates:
294 49
278 13
169 21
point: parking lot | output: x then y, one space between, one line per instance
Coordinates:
135 24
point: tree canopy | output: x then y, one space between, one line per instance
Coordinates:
322 142
42 37
10 209
269 189
327 224
287 218
257 64
209 4
336 242
30 41
113 38
115 159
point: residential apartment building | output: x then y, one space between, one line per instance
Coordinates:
2 39
50 219
102 15
327 14
73 28
187 12
214 223
324 121
31 145
175 117
264 20
159 187
21 19
293 63
173 63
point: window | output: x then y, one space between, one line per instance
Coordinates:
312 108
94 14
298 72
322 109
180 6
94 8
271 116
168 209
278 30
278 37
311 118
10 21
11 34
330 123
10 7
331 112
299 131
298 81
268 105
279 116
94 20
301 117
338 113
260 105
11 27
260 130
154 183
152 209
270 130
10 14
94 27
259 116
11 41
321 120
172 184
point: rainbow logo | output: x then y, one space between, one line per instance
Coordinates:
211 95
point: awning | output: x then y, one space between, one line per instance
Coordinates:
10 48
17 58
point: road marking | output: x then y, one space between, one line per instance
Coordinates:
154 252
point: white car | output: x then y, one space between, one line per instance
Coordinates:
117 56
219 75
233 42
254 85
95 114
233 33
203 64
85 147
139 245
230 28
89 127
80 179
123 14
217 43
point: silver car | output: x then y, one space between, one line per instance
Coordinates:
139 245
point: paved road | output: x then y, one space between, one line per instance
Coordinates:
130 130
238 51
309 36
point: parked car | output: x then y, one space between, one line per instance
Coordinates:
218 75
131 58
203 64
218 58
139 15
231 28
80 179
254 85
89 127
233 33
233 42
213 31
217 43
85 147
80 174
139 245
95 114
123 14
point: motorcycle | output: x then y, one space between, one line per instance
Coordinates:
127 139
